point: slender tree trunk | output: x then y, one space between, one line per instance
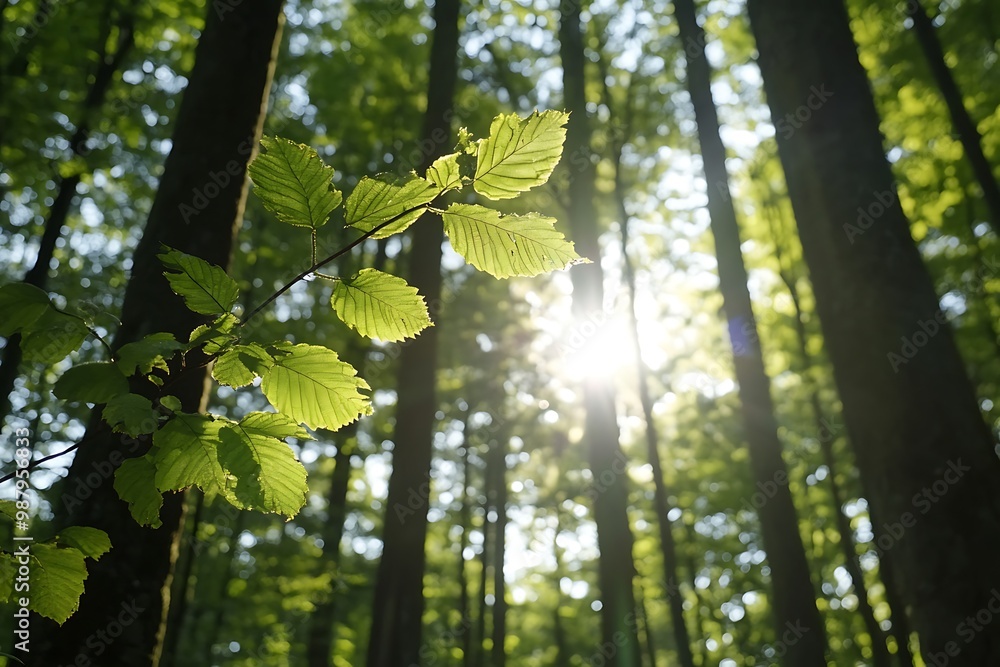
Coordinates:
900 623
661 493
465 517
926 457
484 558
498 451
319 642
182 584
558 630
616 569
826 437
218 124
794 604
961 120
38 275
399 596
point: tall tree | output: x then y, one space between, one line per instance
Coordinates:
497 466
216 134
961 120
616 568
925 456
794 603
399 597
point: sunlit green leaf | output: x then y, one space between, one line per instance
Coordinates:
510 245
264 471
294 183
375 201
57 576
93 543
186 453
445 172
215 335
238 366
380 305
205 287
313 386
519 154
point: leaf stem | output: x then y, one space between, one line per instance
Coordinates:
323 262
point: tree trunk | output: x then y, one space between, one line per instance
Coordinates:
925 456
965 127
177 613
794 603
319 643
826 437
465 516
399 597
217 126
38 275
498 468
616 568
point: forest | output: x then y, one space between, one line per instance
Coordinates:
565 333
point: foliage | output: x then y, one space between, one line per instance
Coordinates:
248 461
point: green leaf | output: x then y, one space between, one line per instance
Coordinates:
445 172
505 246
238 366
377 200
150 352
8 508
93 543
267 475
519 154
53 336
135 482
20 305
205 287
294 183
274 424
186 453
171 403
215 335
57 576
131 414
313 386
94 382
380 305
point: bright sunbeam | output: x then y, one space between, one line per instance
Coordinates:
597 350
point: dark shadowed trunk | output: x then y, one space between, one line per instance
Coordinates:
794 604
399 596
961 120
926 458
217 128
608 465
